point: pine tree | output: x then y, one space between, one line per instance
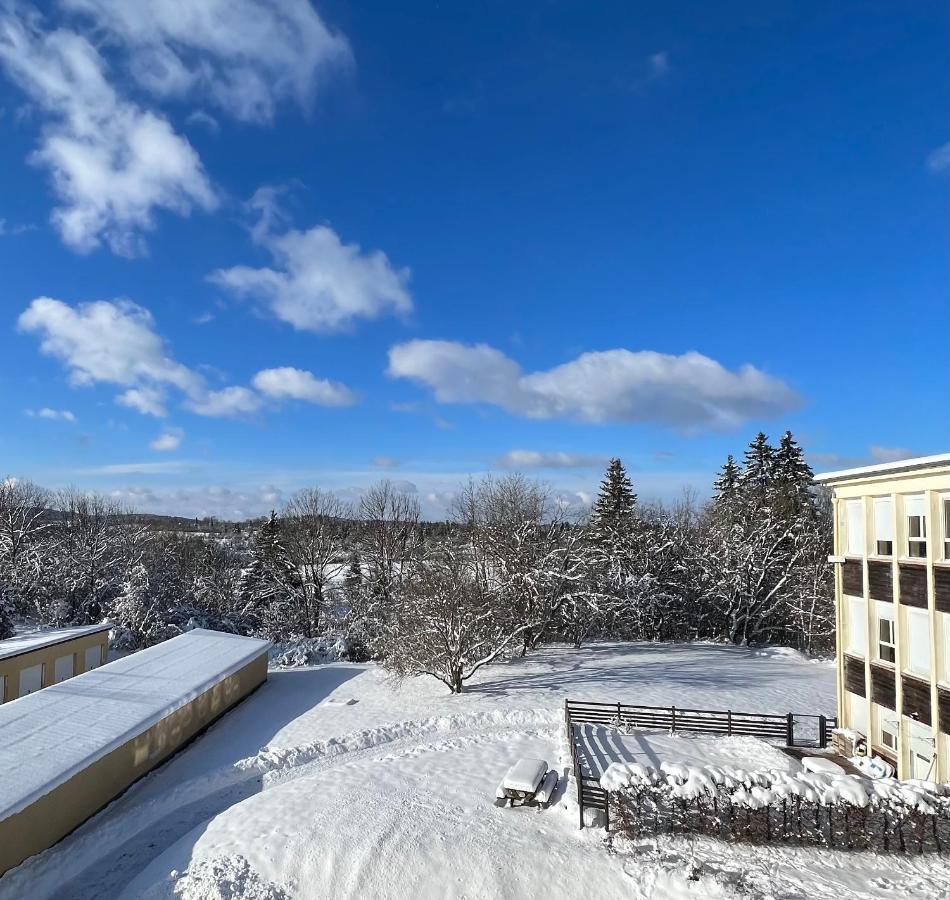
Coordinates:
272 590
790 465
615 508
793 477
758 469
353 579
7 609
726 484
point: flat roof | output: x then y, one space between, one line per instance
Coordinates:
888 468
47 637
53 734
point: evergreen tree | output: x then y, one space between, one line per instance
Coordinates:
758 468
793 478
7 609
353 578
614 510
726 484
271 589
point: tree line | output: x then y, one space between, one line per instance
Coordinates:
512 570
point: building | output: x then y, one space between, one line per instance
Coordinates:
38 659
70 749
892 595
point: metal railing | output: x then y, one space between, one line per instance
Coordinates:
790 729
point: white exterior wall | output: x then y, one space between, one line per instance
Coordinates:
931 482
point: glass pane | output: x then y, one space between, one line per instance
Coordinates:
914 527
918 548
885 548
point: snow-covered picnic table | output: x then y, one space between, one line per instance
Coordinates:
528 779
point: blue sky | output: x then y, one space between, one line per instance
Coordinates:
254 245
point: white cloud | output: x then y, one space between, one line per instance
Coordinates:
149 401
105 341
318 283
539 459
55 414
939 160
875 454
200 117
213 500
245 56
384 462
880 454
298 384
229 401
687 391
115 342
169 439
8 230
659 64
113 163
172 467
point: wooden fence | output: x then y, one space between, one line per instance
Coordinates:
791 730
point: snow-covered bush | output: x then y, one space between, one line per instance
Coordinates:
806 807
309 652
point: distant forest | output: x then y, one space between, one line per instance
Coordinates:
511 570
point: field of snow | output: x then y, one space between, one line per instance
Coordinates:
332 781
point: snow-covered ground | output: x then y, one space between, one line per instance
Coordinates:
365 788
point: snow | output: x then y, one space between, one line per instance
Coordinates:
50 735
35 640
547 788
819 764
393 796
525 775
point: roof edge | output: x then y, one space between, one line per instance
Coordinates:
890 468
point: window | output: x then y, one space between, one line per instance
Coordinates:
916 516
883 526
3 688
31 679
93 657
886 649
854 511
920 742
857 714
889 732
918 641
63 669
945 507
857 626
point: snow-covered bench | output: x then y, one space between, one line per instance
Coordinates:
526 781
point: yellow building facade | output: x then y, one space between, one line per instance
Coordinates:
892 597
35 660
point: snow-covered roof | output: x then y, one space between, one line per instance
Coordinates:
35 640
889 468
50 735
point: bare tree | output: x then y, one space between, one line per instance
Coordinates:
390 537
313 521
445 622
89 563
24 517
523 548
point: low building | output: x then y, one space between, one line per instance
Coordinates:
70 749
37 659
892 593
